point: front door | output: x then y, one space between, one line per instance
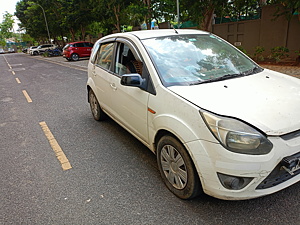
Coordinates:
129 104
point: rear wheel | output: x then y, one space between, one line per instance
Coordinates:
177 169
97 112
75 57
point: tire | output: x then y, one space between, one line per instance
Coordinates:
75 57
35 53
68 59
177 169
97 112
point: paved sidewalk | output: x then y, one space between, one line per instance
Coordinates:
83 63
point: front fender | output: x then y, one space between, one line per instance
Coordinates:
174 125
188 137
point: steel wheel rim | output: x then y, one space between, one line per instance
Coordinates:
75 57
173 167
94 104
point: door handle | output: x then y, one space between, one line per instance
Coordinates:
113 86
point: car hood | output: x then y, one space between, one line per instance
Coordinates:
268 100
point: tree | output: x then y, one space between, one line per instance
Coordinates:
238 8
112 13
32 19
73 16
288 8
201 11
6 28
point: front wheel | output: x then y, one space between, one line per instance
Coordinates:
97 112
75 57
177 169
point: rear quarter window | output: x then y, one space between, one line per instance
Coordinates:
88 44
79 45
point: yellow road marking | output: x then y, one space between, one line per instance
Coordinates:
27 96
18 81
13 72
60 155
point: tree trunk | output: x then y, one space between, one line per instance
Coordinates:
117 12
82 32
148 16
72 31
207 21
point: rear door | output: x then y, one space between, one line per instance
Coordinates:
102 75
80 49
88 48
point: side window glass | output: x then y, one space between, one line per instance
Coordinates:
105 53
87 44
94 53
126 62
79 45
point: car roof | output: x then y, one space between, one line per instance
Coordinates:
75 42
145 34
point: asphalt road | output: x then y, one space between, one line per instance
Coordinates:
111 178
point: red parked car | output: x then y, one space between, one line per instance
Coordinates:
75 50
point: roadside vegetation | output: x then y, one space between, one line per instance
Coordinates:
75 19
70 20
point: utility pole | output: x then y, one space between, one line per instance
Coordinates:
45 19
178 19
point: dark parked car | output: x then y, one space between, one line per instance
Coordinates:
75 50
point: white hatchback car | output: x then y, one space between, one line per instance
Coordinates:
218 122
42 48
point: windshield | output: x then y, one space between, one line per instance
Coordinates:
194 59
67 46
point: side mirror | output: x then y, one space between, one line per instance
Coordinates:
133 80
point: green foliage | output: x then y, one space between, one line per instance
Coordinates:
201 11
27 38
258 54
298 57
279 53
46 54
6 28
75 19
242 49
286 8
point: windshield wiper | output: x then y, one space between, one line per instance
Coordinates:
229 76
225 77
255 70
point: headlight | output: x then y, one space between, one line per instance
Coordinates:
237 136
